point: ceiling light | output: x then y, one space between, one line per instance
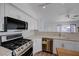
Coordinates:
44 7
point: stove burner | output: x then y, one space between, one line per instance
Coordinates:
14 44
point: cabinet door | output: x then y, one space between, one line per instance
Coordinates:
71 45
1 17
57 44
37 45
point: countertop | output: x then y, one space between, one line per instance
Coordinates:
53 37
5 52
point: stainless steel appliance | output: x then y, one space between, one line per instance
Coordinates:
18 46
12 24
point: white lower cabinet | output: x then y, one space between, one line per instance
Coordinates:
71 45
37 45
56 44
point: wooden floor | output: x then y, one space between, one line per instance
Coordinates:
42 54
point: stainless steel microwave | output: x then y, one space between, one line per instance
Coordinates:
14 24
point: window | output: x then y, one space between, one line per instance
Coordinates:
66 28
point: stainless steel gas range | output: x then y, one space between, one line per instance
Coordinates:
18 45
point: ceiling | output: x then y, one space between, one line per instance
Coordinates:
54 12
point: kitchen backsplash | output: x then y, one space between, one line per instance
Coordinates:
57 34
70 35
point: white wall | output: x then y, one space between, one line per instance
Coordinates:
51 26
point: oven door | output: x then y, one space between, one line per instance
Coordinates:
28 52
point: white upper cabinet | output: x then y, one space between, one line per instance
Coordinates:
32 24
1 17
15 12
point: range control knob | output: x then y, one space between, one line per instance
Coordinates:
30 42
18 49
21 47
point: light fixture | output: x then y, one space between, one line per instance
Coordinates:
44 7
